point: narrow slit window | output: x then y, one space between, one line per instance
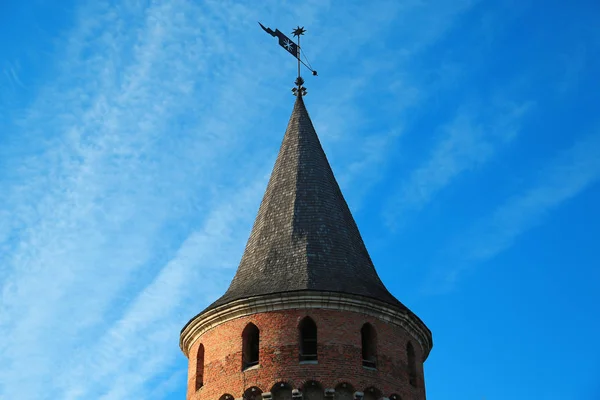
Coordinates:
200 367
308 340
412 366
369 346
250 346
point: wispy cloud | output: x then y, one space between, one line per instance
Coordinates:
133 187
90 215
359 92
11 74
467 142
193 277
569 174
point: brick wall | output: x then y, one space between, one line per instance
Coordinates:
339 357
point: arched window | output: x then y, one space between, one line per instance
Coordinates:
250 346
372 393
308 340
344 391
369 346
412 365
281 391
313 390
252 393
200 367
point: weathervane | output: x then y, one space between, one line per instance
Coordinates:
295 50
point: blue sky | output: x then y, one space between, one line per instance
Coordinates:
137 137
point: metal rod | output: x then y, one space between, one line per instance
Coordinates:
298 56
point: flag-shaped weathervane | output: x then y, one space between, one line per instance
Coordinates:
295 50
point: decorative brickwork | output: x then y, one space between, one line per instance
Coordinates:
339 357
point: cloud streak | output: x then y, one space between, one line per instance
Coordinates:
139 169
466 143
90 206
568 175
132 351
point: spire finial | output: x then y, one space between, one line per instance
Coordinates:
299 89
294 49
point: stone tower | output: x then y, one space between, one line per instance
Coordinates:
306 315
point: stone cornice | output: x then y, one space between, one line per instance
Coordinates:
306 300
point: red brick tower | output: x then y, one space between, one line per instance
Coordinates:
306 315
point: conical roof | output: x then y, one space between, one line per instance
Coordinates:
304 237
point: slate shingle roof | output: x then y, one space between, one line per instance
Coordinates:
304 236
